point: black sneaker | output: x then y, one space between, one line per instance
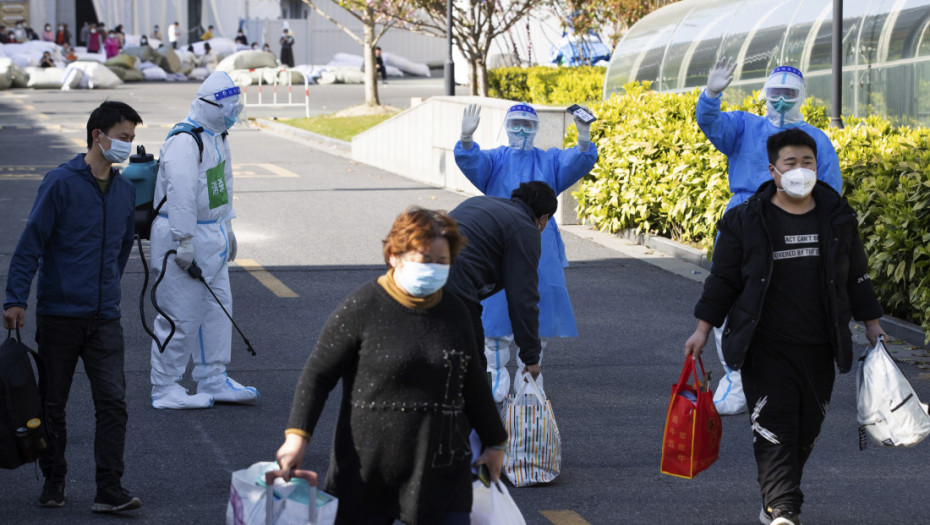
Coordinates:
785 517
114 500
53 494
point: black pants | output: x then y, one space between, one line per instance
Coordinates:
788 389
99 344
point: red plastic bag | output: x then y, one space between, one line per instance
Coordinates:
691 441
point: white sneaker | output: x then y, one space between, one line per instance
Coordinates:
175 397
224 389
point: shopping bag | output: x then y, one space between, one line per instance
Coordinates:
494 506
888 409
691 442
729 398
534 448
259 496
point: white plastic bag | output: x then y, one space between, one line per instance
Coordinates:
249 501
534 449
729 398
494 506
889 411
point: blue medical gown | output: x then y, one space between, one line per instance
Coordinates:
497 173
742 137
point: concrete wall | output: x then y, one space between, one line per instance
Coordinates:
418 143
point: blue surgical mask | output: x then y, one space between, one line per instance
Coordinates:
781 105
119 151
421 279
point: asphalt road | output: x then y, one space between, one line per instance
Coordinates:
313 222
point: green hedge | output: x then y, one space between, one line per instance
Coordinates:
547 85
658 173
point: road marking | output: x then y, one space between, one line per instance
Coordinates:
270 281
279 171
80 142
42 116
563 517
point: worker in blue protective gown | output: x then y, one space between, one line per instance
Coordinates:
742 137
497 172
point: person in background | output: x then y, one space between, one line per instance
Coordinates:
120 36
401 448
68 53
789 272
47 34
208 34
266 48
254 46
156 33
78 238
63 35
379 65
93 40
209 59
497 172
240 38
19 32
46 60
84 34
143 40
111 45
287 48
173 33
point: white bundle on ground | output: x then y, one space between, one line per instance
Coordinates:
176 77
407 66
45 77
154 73
9 69
342 75
221 46
247 60
91 57
357 61
311 72
72 80
96 75
199 73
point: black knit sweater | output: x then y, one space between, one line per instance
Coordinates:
412 390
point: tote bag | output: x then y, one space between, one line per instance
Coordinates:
494 506
534 448
888 409
257 496
691 441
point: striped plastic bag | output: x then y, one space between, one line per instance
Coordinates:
534 448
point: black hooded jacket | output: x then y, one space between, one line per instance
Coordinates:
742 269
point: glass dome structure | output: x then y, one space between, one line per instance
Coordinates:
886 50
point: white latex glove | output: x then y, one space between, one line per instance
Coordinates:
584 132
470 118
720 76
233 245
185 255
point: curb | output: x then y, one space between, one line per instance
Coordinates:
342 147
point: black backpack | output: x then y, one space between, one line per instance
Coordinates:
22 404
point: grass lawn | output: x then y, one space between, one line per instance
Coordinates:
343 128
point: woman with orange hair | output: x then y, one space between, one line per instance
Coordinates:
413 387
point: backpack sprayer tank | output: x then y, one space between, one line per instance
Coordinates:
142 171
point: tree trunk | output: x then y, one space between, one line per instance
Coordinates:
472 76
482 76
371 74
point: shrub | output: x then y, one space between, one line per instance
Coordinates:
547 85
658 173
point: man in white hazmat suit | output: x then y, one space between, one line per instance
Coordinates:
742 136
195 220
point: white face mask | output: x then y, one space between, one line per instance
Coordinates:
798 182
119 151
421 279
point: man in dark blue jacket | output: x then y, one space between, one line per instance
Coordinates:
78 237
789 271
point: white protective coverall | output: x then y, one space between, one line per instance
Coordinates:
198 207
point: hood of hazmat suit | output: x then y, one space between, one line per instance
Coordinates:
521 125
784 94
218 104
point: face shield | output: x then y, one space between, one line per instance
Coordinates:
521 124
784 93
230 103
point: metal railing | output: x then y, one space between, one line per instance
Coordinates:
274 90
